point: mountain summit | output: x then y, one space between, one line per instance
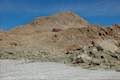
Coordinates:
58 21
64 18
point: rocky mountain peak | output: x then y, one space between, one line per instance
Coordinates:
63 36
64 18
59 21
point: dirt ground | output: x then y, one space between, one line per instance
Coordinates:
26 70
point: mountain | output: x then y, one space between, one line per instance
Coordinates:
63 37
58 21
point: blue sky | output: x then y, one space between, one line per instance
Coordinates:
20 12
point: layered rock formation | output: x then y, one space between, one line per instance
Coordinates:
63 37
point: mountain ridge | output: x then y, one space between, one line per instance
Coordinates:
64 36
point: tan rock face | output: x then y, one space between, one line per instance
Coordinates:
64 37
59 22
109 45
63 31
67 18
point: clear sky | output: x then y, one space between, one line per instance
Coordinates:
19 12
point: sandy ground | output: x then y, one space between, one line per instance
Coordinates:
20 70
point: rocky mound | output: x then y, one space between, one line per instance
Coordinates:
55 22
64 37
97 56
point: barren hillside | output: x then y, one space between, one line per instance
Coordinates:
64 37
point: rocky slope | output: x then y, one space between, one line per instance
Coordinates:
58 21
64 37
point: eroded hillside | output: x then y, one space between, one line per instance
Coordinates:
64 37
